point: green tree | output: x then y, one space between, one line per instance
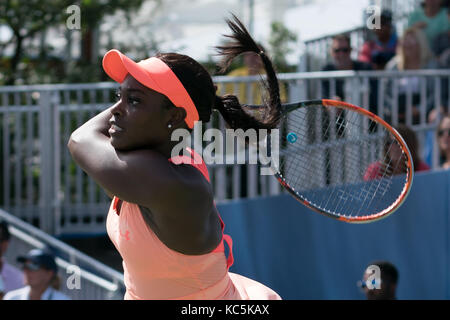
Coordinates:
92 13
280 38
27 19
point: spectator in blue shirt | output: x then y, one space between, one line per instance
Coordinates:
381 49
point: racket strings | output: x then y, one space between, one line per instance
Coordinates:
339 160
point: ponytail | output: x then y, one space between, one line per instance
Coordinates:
229 106
238 116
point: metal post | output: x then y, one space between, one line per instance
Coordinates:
56 163
46 157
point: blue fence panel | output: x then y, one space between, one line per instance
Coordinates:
303 255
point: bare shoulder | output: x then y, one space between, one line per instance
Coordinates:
186 220
161 185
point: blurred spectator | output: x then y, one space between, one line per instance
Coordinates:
248 93
341 53
441 47
442 51
388 282
381 49
413 53
251 93
10 277
394 154
443 136
432 18
40 273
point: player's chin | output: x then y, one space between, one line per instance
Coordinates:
119 144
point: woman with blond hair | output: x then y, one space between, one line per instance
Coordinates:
413 53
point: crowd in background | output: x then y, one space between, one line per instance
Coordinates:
424 44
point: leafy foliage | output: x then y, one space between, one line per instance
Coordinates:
280 38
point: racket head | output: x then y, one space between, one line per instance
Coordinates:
341 160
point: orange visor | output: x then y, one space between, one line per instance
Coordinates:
154 74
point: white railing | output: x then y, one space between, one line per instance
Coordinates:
42 185
96 280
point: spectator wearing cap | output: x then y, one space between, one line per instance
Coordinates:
381 49
40 272
11 278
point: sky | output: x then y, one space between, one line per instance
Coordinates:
195 27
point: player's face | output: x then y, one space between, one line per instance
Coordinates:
139 119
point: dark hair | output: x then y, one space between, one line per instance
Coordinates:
4 231
198 83
411 141
195 79
442 152
388 271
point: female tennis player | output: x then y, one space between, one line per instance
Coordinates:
162 219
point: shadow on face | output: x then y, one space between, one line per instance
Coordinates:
340 51
37 278
139 117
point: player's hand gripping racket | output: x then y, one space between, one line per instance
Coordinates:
341 160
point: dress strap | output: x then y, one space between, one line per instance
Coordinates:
195 160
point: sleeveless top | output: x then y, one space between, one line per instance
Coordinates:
154 271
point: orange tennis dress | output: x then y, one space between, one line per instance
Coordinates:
154 271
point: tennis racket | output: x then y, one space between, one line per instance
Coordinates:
340 160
